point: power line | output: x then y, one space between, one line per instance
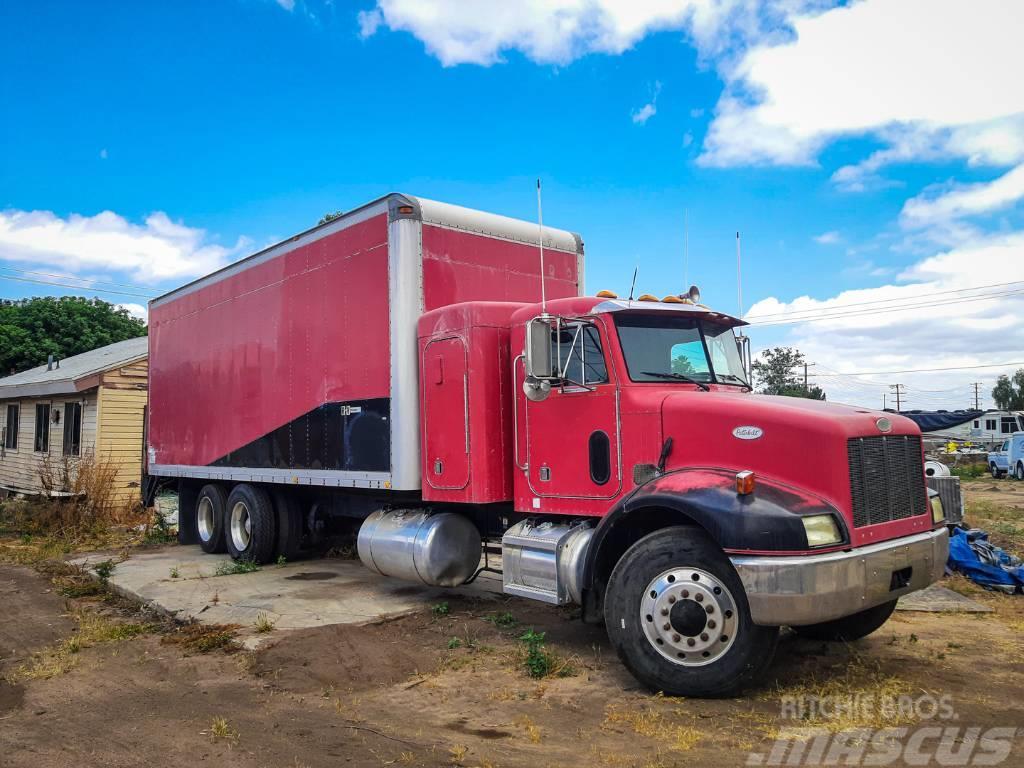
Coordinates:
837 315
896 298
930 370
74 287
72 277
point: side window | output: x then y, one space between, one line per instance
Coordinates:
11 434
990 425
72 429
977 423
1006 446
42 444
1009 425
577 349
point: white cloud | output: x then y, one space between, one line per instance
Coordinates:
925 77
696 112
648 110
136 310
937 206
687 139
103 154
369 22
949 333
827 238
159 249
288 5
559 31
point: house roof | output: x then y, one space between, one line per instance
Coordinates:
74 374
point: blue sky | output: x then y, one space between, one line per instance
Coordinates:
208 129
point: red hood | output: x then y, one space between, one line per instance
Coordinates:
796 441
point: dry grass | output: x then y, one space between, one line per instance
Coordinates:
203 638
264 623
220 730
93 629
653 723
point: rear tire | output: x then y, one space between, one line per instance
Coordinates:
290 526
1020 470
848 628
250 525
209 516
677 615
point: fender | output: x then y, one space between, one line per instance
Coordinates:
767 520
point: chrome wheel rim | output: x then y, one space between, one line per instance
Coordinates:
241 526
204 519
689 616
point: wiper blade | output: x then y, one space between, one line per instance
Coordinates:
734 377
677 377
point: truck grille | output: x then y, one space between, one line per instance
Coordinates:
886 478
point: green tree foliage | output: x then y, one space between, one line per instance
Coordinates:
330 217
1008 392
681 364
32 329
780 371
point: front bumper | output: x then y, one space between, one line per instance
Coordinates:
810 589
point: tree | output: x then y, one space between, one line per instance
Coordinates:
32 329
330 217
1009 392
779 371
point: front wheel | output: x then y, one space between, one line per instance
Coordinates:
677 615
995 471
852 627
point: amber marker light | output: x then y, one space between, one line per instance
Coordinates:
646 297
745 482
405 209
672 300
607 295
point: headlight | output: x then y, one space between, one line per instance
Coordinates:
821 530
938 515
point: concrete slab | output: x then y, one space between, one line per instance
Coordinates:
306 593
936 599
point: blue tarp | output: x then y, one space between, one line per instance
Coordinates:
971 554
936 421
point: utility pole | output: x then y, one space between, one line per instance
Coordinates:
899 390
977 399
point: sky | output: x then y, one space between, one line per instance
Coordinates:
870 153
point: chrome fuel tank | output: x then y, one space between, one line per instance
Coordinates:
440 549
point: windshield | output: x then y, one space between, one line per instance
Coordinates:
660 348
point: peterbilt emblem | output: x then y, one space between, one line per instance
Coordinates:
747 433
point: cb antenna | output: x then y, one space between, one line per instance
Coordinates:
686 247
739 277
633 285
540 241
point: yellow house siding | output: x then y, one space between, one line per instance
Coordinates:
20 468
120 424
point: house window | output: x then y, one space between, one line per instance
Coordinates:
1009 425
42 444
72 429
977 423
11 435
990 425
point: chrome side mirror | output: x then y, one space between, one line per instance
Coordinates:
539 363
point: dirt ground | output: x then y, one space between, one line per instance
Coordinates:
87 680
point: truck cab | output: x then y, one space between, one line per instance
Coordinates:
652 486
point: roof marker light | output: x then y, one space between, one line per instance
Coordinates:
607 295
672 300
646 297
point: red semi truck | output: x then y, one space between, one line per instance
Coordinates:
397 368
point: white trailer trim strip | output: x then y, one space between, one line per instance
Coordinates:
323 477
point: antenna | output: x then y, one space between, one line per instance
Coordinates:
540 241
633 285
739 276
686 247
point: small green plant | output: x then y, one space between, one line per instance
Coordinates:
504 620
220 730
440 609
538 660
26 538
969 471
104 570
282 561
454 643
160 531
264 623
174 572
232 567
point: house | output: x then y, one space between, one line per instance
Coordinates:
89 405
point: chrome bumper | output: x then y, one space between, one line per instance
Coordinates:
809 589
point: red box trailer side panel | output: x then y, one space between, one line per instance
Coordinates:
234 360
463 266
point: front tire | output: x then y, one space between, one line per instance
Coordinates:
677 616
996 474
249 520
849 628
210 506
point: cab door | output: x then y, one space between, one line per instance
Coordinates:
445 385
572 437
